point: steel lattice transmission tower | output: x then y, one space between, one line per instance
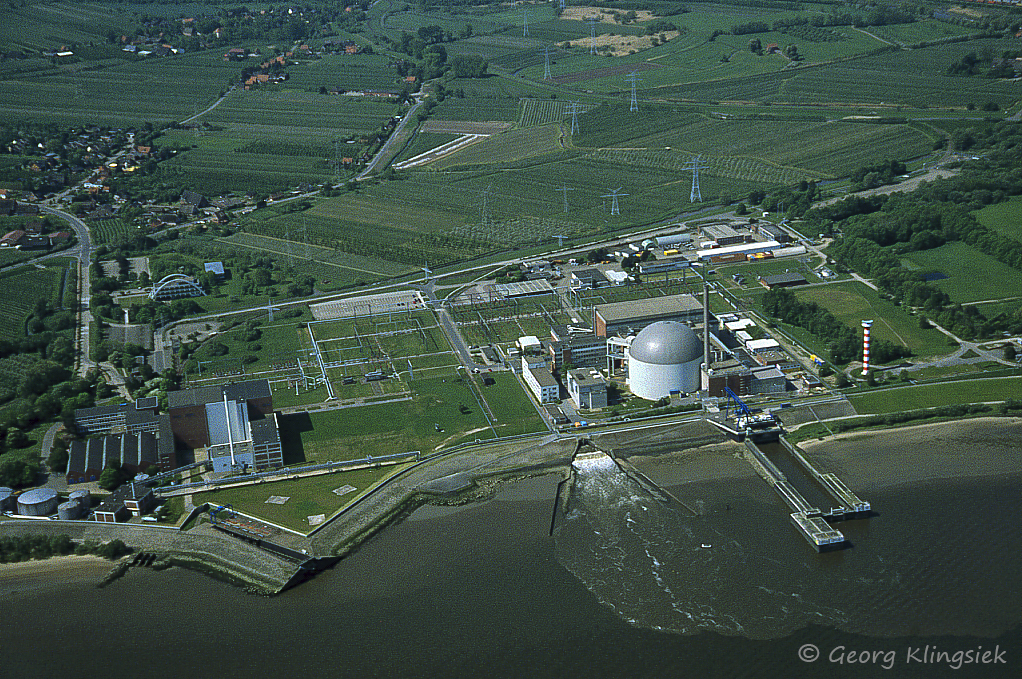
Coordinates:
633 78
574 116
525 23
564 189
613 195
484 213
695 166
592 34
546 70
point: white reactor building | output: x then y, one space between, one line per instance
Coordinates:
662 358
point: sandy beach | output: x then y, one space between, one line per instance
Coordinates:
27 577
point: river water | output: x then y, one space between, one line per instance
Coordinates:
622 589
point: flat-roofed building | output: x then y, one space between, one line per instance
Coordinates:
768 380
233 422
188 417
588 388
576 349
663 266
773 232
543 384
736 253
130 499
588 279
632 316
724 235
782 280
135 417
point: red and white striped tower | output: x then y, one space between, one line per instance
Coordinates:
866 325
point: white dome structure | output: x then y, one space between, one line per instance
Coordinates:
664 357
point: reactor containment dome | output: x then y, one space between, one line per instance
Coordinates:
664 358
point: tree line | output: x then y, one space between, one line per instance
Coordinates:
844 343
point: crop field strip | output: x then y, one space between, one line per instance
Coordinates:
163 90
22 288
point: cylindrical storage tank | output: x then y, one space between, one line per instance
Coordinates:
664 357
7 499
69 511
82 497
38 502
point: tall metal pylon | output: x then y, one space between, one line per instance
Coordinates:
633 78
546 70
484 213
574 116
338 156
290 249
613 195
564 189
592 34
695 166
525 23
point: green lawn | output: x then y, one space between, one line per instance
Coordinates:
1005 217
388 428
853 302
960 263
308 496
933 395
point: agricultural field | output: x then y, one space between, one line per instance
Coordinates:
37 26
118 91
960 262
22 288
108 230
1005 217
852 302
510 147
348 71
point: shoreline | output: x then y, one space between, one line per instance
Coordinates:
868 460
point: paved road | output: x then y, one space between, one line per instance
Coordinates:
83 253
385 152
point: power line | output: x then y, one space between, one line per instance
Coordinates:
574 116
695 166
633 77
613 195
564 189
